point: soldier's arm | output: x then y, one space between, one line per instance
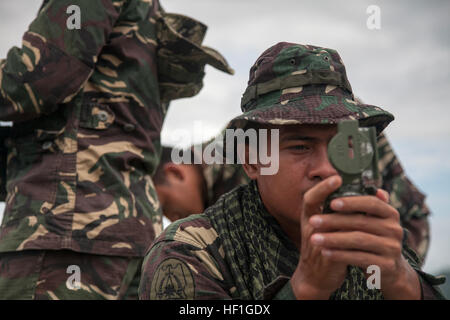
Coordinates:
406 198
186 262
54 62
429 284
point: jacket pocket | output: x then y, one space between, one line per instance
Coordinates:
96 116
32 168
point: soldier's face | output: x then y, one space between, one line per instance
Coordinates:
182 194
303 162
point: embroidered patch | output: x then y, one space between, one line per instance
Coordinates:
173 280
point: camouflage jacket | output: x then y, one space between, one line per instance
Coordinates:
404 196
236 249
88 106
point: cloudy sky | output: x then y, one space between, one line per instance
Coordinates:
402 67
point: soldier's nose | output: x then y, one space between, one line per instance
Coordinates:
321 167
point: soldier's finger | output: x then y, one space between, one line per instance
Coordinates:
367 204
355 258
351 222
315 197
382 195
359 241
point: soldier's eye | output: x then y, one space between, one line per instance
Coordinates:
299 147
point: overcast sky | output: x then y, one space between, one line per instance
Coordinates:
402 67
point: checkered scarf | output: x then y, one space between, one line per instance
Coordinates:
258 251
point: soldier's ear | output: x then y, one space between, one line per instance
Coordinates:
174 171
250 168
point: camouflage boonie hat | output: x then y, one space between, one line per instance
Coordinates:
303 84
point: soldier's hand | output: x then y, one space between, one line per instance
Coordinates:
330 242
317 276
348 237
373 238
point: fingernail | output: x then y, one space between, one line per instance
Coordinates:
326 253
316 221
317 239
337 204
333 182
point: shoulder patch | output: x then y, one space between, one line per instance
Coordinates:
173 280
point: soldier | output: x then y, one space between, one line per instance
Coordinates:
88 105
269 239
185 189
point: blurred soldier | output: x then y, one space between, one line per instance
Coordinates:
269 239
88 105
184 189
181 188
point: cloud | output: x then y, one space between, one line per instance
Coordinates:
404 66
15 18
438 257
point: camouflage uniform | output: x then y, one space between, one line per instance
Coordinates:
236 249
404 196
88 106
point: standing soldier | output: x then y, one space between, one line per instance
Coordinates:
87 106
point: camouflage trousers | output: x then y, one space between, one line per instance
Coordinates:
65 274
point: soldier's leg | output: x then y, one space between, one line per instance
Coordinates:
71 275
19 273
